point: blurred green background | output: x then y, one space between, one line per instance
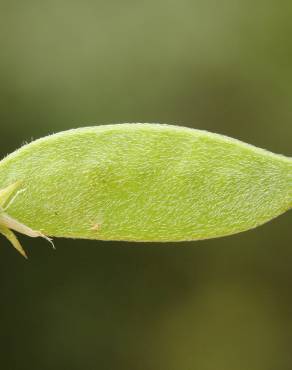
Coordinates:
223 66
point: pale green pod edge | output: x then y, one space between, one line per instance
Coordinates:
140 182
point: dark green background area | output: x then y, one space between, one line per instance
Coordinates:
222 304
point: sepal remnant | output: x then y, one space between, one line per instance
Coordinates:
7 223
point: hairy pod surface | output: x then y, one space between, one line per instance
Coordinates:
141 182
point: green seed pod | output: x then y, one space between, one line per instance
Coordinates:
140 182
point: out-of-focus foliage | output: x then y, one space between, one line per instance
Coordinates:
216 305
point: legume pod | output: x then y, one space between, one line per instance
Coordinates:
140 182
